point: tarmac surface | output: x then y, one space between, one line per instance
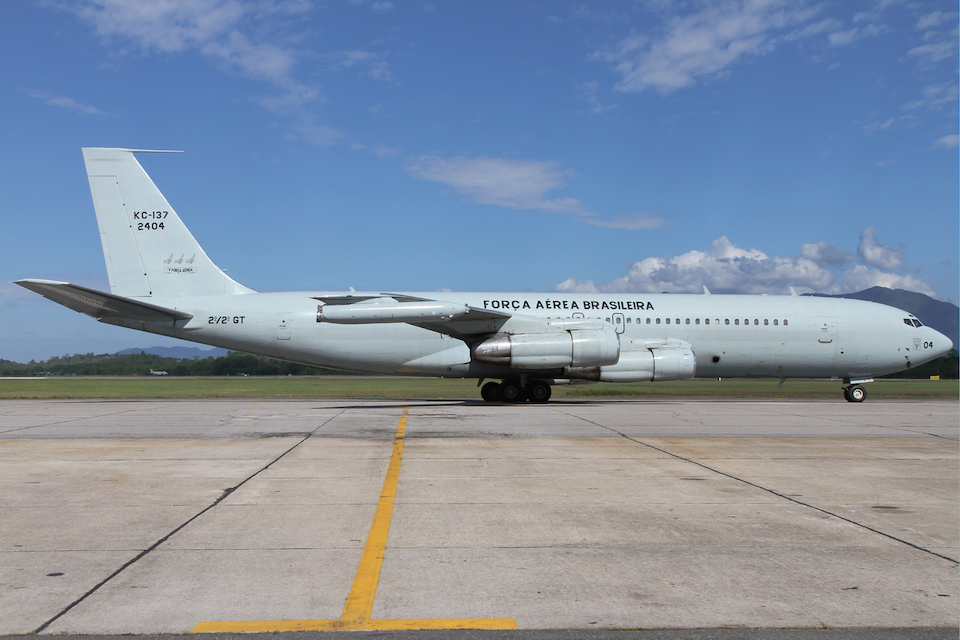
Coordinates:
582 518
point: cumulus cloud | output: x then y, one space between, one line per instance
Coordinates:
728 268
724 268
873 254
862 277
704 43
825 254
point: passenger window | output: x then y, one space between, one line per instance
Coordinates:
688 321
716 321
668 320
726 321
746 321
756 322
736 321
678 320
765 322
696 321
706 321
648 321
784 322
775 322
658 320
608 320
629 320
617 319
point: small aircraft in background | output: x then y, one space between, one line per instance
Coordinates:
158 373
162 282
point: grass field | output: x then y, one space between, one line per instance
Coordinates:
355 387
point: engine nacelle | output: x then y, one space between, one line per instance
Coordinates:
655 360
573 348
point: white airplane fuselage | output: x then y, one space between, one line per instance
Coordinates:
161 281
731 335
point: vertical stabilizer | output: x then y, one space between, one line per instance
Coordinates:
148 250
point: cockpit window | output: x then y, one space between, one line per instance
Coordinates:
917 323
907 322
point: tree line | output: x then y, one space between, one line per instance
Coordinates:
109 364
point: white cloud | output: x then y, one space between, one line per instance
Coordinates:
825 254
588 93
935 96
948 142
704 43
873 127
66 103
519 184
724 268
633 221
727 268
515 184
372 63
862 277
239 36
873 254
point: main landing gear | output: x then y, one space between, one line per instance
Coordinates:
516 391
854 393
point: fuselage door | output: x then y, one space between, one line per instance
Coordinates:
826 330
619 323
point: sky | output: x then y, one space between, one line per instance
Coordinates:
386 145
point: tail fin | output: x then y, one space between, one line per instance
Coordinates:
148 250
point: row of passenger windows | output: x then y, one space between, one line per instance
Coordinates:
696 321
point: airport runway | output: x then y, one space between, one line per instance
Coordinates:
260 515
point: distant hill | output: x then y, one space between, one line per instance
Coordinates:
942 316
177 352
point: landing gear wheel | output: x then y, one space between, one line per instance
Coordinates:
855 393
490 392
510 391
539 392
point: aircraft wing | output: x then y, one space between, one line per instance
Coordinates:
451 318
101 305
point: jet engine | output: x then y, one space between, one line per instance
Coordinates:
647 360
571 348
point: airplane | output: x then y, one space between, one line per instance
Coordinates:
162 282
158 373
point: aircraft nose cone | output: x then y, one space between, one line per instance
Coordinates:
941 343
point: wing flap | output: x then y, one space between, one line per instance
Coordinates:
101 305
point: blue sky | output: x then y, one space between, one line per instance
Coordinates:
538 146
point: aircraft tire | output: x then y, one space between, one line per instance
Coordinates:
511 391
855 393
490 391
539 392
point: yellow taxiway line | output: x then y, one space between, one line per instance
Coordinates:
359 605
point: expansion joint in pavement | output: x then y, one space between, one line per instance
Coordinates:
145 552
774 492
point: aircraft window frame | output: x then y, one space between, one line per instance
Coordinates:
756 322
917 323
658 320
678 321
696 321
736 322
648 320
667 320
785 323
687 321
706 321
629 320
726 321
908 322
776 322
765 322
608 320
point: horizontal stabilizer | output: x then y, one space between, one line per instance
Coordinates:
100 305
